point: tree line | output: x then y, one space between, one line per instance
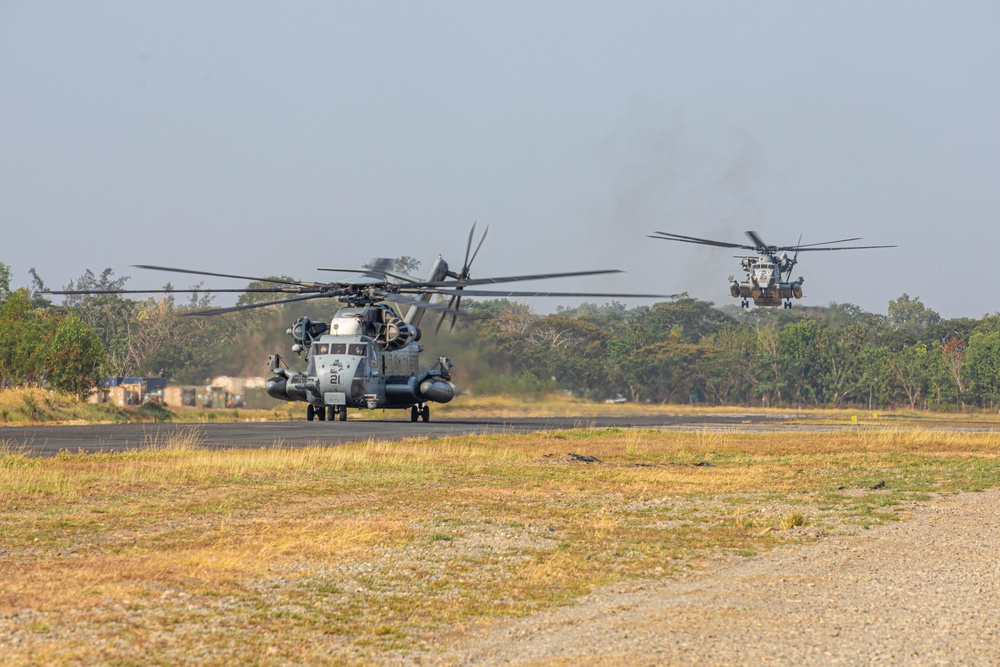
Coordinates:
686 350
679 351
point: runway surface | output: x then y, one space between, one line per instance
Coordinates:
50 440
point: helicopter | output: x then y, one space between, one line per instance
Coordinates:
367 356
768 274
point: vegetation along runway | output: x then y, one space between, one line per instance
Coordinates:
90 438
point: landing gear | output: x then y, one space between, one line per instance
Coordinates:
414 413
745 304
788 304
425 413
321 413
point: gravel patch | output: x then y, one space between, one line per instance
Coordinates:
923 591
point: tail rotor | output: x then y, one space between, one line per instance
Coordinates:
795 260
455 302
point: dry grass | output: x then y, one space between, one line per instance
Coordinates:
31 406
37 406
357 553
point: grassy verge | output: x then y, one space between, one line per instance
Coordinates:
37 406
353 554
21 407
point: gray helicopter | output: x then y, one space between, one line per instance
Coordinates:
768 275
367 356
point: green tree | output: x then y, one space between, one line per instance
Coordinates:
953 360
910 322
4 282
74 356
909 372
18 347
667 370
804 366
840 354
728 363
34 292
46 348
570 350
907 313
982 359
690 318
111 316
250 297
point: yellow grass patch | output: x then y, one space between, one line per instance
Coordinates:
350 553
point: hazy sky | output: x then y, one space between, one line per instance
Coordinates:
275 138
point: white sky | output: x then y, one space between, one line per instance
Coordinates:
276 138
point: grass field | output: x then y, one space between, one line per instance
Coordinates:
368 552
37 406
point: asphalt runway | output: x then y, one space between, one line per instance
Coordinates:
50 440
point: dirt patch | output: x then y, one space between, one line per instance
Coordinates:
921 591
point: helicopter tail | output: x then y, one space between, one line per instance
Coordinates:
438 272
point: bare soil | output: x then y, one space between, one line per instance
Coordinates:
923 591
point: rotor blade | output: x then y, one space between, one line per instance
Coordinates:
795 258
223 275
856 247
293 290
757 240
665 236
483 238
347 270
233 309
468 292
451 304
509 279
397 298
458 305
468 248
391 274
809 245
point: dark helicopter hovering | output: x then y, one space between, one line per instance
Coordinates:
768 275
367 356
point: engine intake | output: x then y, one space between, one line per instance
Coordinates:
304 331
399 334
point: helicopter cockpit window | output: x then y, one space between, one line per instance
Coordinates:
338 348
320 348
357 350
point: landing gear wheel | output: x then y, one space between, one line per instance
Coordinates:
321 413
310 412
414 413
788 304
425 413
343 413
745 304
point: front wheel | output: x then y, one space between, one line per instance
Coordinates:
425 413
343 413
310 412
414 413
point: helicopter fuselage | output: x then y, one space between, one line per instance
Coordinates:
370 361
357 372
763 282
